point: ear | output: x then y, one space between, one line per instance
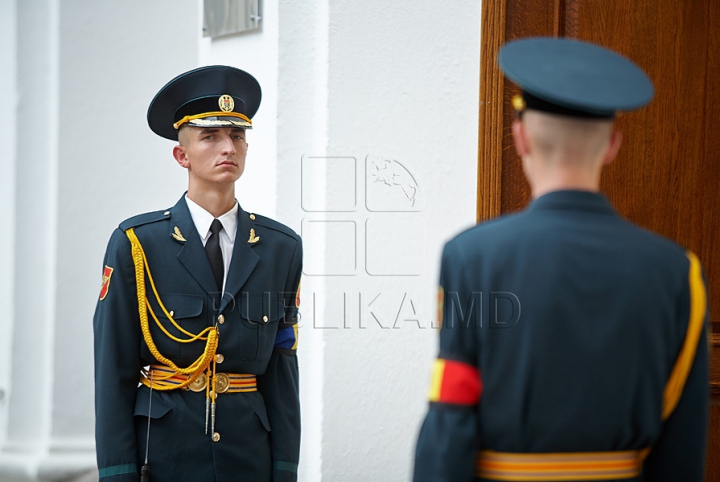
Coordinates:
613 148
519 136
180 156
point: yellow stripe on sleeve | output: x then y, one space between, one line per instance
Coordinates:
295 330
698 306
436 381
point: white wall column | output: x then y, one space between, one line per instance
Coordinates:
302 113
8 123
86 72
35 235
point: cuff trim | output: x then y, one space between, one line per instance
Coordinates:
286 466
118 470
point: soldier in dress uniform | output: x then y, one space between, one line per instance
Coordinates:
196 374
573 343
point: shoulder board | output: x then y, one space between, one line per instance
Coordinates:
142 219
272 224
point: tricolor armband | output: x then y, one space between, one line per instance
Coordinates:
456 383
286 340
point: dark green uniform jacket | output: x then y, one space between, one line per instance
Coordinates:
259 432
561 327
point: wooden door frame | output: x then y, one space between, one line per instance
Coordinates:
491 111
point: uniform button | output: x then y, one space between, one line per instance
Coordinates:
221 319
220 358
166 213
252 217
172 313
265 318
216 437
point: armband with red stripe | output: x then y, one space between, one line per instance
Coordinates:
455 382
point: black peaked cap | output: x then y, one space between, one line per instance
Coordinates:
578 77
197 92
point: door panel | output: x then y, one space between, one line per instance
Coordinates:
667 174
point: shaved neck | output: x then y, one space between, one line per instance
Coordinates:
561 152
566 140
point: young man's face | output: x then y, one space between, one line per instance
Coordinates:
213 155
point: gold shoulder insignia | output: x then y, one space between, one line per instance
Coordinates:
253 239
178 235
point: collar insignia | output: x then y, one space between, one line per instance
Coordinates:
253 239
178 235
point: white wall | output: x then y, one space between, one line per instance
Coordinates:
365 106
403 86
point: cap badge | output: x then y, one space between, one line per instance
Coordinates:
226 102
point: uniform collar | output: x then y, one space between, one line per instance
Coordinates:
203 219
244 258
572 200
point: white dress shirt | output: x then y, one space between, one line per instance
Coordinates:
203 219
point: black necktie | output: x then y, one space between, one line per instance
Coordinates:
212 249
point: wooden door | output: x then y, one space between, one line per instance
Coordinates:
667 174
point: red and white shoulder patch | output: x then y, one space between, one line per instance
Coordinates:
107 273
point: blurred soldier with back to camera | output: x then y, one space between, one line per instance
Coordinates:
573 343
